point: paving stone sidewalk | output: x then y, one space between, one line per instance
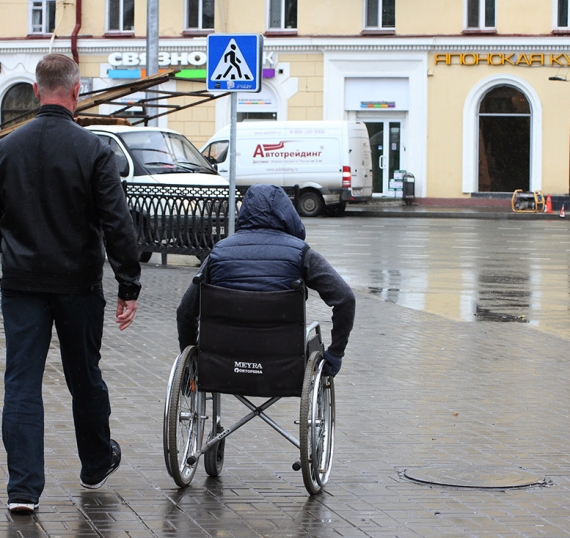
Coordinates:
416 390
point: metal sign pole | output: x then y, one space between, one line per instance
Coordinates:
152 34
232 197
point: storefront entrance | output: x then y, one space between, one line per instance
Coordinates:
504 141
387 145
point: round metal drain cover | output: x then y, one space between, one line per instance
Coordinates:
471 476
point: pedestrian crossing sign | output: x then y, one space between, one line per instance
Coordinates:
234 62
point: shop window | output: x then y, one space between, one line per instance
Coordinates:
282 14
380 14
481 14
43 16
121 15
256 116
19 103
562 14
200 14
504 140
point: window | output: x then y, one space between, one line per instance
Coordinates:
256 116
43 16
380 13
283 14
562 14
200 14
480 14
18 103
121 15
217 152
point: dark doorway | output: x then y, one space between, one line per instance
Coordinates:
504 141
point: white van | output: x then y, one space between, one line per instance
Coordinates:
330 161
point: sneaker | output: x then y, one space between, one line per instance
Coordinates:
22 506
97 481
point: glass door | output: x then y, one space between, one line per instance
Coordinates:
386 144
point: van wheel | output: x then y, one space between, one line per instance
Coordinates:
310 204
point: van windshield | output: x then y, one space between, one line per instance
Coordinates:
165 153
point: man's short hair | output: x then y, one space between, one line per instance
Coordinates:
55 72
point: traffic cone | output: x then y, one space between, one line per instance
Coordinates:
562 215
548 207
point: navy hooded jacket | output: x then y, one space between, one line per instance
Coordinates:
266 253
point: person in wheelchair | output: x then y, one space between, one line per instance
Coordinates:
268 253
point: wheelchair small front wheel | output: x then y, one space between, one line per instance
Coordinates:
184 418
317 421
214 457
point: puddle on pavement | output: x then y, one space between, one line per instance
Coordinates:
501 298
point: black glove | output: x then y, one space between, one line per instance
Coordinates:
332 364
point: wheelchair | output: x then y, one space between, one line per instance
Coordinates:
250 344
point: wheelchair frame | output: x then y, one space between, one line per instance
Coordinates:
185 418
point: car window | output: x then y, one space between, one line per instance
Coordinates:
120 157
165 152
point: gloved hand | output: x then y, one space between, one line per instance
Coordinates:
332 364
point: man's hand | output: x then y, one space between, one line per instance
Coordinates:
125 313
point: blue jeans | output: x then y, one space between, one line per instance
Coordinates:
28 322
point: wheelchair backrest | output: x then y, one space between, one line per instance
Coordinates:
250 342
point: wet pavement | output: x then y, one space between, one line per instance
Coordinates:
431 386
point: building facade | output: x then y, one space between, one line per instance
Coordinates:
468 95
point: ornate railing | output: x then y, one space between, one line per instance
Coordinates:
175 219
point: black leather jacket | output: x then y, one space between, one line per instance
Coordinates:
60 194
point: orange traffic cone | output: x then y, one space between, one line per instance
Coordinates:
548 207
562 215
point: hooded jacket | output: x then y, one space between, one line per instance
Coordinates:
267 251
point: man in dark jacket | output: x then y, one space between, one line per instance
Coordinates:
268 253
60 194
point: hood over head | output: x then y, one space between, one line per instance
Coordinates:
268 206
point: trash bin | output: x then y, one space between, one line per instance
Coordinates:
408 188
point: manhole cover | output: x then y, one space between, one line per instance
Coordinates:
471 476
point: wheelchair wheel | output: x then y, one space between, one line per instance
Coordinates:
317 420
184 418
214 458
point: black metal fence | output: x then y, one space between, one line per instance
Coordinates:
175 219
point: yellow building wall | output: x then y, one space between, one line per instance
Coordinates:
243 16
447 91
171 19
93 18
14 18
433 17
141 16
90 66
330 17
555 98
307 103
532 17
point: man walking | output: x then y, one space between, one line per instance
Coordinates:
60 195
